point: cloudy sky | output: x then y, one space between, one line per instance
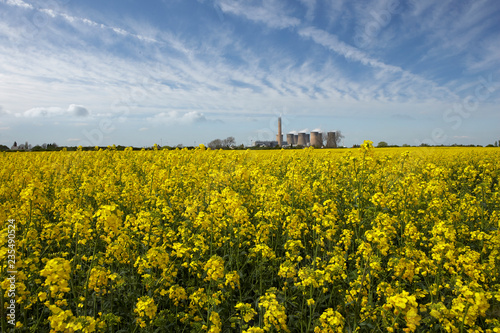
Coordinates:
174 72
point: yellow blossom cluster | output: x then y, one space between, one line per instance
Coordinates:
57 273
214 268
98 279
331 321
275 317
201 240
145 307
246 311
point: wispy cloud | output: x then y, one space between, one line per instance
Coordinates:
239 58
310 8
447 29
349 52
19 3
333 43
272 13
75 20
486 58
192 76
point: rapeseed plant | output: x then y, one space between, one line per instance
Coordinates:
306 240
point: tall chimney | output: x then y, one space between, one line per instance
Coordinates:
280 136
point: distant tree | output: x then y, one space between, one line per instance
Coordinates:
226 143
14 146
37 148
52 146
496 143
382 144
406 145
215 144
490 145
4 148
229 142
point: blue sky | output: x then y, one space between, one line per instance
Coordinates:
189 71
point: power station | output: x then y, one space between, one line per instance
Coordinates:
313 139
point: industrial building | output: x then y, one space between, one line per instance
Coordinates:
303 139
268 144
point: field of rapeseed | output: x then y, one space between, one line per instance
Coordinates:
365 240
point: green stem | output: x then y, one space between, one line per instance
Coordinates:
463 318
90 271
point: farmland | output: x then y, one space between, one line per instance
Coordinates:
311 240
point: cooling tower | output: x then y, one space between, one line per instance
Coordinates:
289 139
308 138
295 139
331 141
316 139
302 139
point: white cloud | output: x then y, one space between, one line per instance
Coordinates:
19 3
49 12
78 110
194 117
176 117
43 112
73 110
